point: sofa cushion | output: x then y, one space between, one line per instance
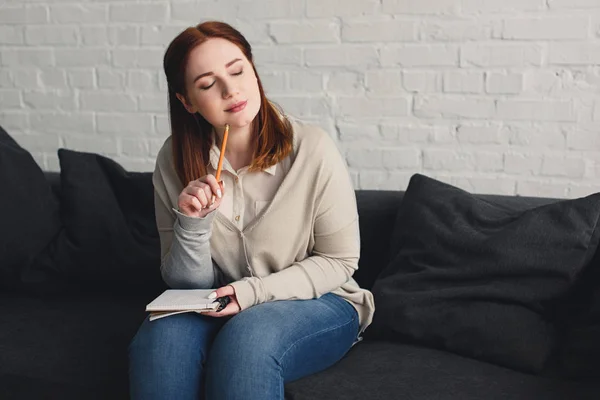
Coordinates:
110 230
380 370
480 278
28 211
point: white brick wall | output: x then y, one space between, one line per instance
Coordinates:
492 96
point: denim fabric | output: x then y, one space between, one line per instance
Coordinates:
249 356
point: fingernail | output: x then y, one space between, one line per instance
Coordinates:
219 193
213 295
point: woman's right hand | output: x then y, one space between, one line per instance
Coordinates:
195 199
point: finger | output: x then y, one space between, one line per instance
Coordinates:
223 291
193 200
199 194
231 309
214 185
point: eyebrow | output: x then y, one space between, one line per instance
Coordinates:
230 63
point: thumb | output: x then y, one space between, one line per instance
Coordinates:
222 292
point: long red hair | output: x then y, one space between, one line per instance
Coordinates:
191 133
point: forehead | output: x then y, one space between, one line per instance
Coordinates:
212 56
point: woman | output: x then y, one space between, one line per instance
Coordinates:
279 235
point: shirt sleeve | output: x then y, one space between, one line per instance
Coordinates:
336 250
186 261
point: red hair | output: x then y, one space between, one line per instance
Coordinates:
191 133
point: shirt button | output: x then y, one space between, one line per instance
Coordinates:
237 179
237 217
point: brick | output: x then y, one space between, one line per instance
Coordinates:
536 110
538 188
421 81
134 147
401 158
10 98
416 55
384 83
37 142
501 55
153 102
124 124
437 7
375 108
159 35
379 30
94 35
107 101
575 4
55 35
141 81
162 125
453 107
305 106
383 180
82 78
79 122
542 136
563 166
274 81
275 56
29 57
137 58
577 190
79 13
522 163
139 12
480 134
463 82
304 32
14 119
504 83
542 81
91 143
110 79
341 8
488 161
267 9
485 185
583 138
447 160
340 82
365 157
546 28
505 6
29 14
407 134
52 78
26 78
305 81
575 53
455 31
204 9
346 55
81 57
41 100
124 35
357 132
136 165
11 35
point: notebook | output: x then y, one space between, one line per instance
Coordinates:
177 301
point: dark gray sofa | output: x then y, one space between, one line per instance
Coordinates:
74 346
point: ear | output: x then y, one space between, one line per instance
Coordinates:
187 106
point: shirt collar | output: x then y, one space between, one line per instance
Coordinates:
215 153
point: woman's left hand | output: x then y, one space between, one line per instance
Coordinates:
232 308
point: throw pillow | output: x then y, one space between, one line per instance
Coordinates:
482 278
110 237
28 211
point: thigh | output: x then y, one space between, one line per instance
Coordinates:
292 339
166 355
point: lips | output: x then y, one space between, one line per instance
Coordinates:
237 107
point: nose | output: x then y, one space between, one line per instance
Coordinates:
229 88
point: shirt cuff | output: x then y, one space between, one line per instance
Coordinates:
195 224
244 294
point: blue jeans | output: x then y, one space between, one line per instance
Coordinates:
248 356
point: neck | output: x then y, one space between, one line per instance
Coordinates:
239 149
